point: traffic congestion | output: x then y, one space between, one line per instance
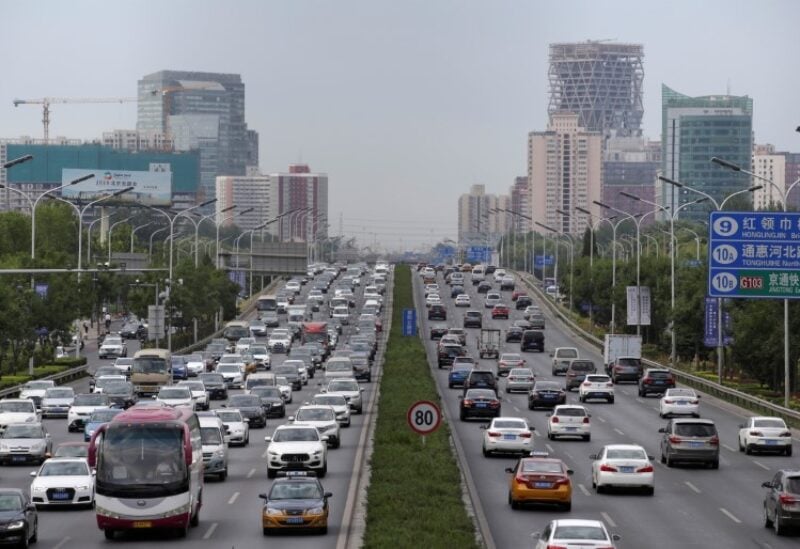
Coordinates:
255 434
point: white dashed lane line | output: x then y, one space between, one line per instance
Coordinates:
233 498
761 465
601 419
619 432
730 515
584 490
692 486
251 473
608 519
729 448
550 448
62 543
210 531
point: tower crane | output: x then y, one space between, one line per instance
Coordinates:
47 101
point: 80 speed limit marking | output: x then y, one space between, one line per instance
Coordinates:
424 417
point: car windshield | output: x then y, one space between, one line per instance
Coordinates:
295 490
343 385
20 407
210 436
149 365
19 430
680 392
567 353
774 423
72 450
570 412
59 393
194 385
194 358
582 366
228 368
598 379
176 392
239 401
520 372
628 362
266 392
792 485
38 385
695 430
580 532
90 400
10 502
625 453
118 388
338 366
330 400
547 386
258 349
229 416
314 414
509 424
296 435
659 373
102 416
540 466
64 468
211 378
510 357
480 393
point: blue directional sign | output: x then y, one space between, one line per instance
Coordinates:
754 254
544 260
479 254
409 322
711 332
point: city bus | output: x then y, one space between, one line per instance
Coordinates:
315 332
149 470
267 303
151 370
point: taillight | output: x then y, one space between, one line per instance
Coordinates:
667 401
562 481
695 401
494 404
609 384
587 383
646 381
608 468
586 419
714 441
786 434
675 440
554 419
756 434
787 499
493 434
570 374
521 479
551 546
524 435
468 402
645 469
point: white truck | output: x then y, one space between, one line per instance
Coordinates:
617 346
489 343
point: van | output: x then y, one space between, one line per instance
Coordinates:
577 371
215 445
532 339
478 274
259 379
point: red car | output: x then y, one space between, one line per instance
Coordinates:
516 294
500 311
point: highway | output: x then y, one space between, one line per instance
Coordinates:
693 507
231 512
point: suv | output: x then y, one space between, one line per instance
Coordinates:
481 379
437 312
690 440
532 339
625 369
473 319
780 501
577 371
562 357
523 301
656 380
215 445
448 353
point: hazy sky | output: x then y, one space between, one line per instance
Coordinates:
404 103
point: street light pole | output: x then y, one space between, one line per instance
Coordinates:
219 223
38 198
110 229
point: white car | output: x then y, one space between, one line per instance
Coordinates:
63 481
292 446
237 427
293 286
279 341
492 299
233 374
463 300
596 386
260 355
243 344
562 357
123 365
342 313
17 410
102 381
199 394
113 347
569 421
195 364
57 401
626 465
520 379
765 434
431 289
350 390
339 405
175 395
499 274
35 390
570 533
679 402
82 408
323 418
338 367
286 388
507 435
433 299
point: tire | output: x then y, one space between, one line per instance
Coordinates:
780 528
550 436
748 450
668 462
581 399
600 489
247 440
767 521
25 542
194 521
741 446
650 490
567 506
587 438
531 406
271 473
109 533
35 536
789 451
485 452
223 475
663 459
462 416
323 471
337 444
265 531
611 400
714 464
512 502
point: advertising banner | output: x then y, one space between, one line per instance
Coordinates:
149 188
634 317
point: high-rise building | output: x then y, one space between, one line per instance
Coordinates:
135 140
769 165
479 224
564 171
792 175
248 191
520 200
695 129
601 82
203 111
630 164
305 194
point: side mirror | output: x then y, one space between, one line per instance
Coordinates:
327 495
593 456
154 397
551 355
741 426
767 484
262 496
699 396
291 418
662 430
361 390
651 457
548 414
510 470
484 427
616 537
570 472
33 473
267 439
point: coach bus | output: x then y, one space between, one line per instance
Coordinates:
149 470
267 303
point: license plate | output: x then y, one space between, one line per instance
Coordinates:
626 469
142 524
18 458
294 520
548 396
572 429
682 402
696 444
772 442
60 495
542 485
480 405
509 437
659 383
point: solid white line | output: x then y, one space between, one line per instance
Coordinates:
62 543
251 473
608 519
549 448
601 419
210 531
619 432
729 448
584 490
761 465
730 515
692 486
233 498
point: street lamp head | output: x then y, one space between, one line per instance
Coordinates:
229 208
606 206
583 210
670 181
725 164
755 188
16 161
80 179
562 212
247 210
207 202
121 191
631 196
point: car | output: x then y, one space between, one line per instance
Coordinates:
519 379
17 410
492 299
258 328
233 374
260 356
121 394
175 395
280 340
323 418
195 363
460 333
72 449
521 301
63 482
101 382
679 402
457 290
34 390
24 443
296 447
113 346
506 283
431 289
569 420
514 334
781 509
596 386
199 394
250 408
507 435
508 361
437 311
270 319
765 434
655 381
577 371
437 330
562 357
300 367
132 330
295 502
623 465
568 533
463 300
460 361
123 365
480 379
625 369
98 417
546 394
236 426
338 367
484 287
532 340
447 353
214 442
338 403
479 403
473 319
271 400
19 520
285 387
500 311
531 310
690 441
350 390
536 321
458 374
542 480
215 385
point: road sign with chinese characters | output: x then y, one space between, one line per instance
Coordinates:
754 254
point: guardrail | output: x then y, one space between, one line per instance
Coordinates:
714 389
59 378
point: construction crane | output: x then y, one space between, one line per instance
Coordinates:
46 101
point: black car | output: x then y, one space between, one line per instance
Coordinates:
100 372
480 403
215 385
290 373
523 301
532 340
121 394
656 381
481 379
484 287
437 312
271 400
132 330
251 408
514 334
438 330
473 319
15 509
447 353
546 394
361 367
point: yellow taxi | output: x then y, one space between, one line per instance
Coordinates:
540 479
296 501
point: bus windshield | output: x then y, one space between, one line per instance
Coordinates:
149 365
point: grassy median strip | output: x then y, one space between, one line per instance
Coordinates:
414 496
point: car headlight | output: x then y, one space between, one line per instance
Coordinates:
219 453
38 447
316 511
271 512
30 419
274 454
16 525
83 487
37 489
318 453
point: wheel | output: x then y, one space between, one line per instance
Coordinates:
323 471
600 489
663 459
271 473
581 399
748 449
247 439
486 453
650 490
531 406
767 521
194 521
551 436
512 502
714 464
641 393
668 461
587 438
25 542
567 506
741 446
449 385
35 536
780 528
789 451
462 416
611 400
223 475
109 533
336 443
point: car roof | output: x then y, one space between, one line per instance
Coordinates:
578 522
693 420
625 447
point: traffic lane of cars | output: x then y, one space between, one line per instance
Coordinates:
674 498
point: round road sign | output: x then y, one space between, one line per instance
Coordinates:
424 417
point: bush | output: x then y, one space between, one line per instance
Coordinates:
70 362
12 381
48 370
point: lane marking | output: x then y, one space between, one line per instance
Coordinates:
233 498
62 543
549 448
601 419
251 473
608 519
210 531
568 455
692 486
584 490
730 515
516 409
619 432
761 465
729 448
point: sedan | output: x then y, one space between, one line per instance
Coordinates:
626 465
250 407
540 480
57 401
458 374
24 442
507 435
323 418
765 434
63 481
569 421
508 361
199 394
492 299
514 334
546 394
520 379
480 403
175 395
98 417
463 300
236 426
586 534
271 400
339 405
19 521
675 402
500 311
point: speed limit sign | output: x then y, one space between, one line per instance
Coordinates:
424 417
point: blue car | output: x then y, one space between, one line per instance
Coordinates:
180 370
98 417
458 375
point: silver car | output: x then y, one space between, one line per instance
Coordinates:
350 390
57 401
520 379
24 443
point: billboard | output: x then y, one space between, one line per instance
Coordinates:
634 316
149 188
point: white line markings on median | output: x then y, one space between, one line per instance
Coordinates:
761 465
210 531
584 490
251 473
233 498
619 432
608 519
601 419
729 448
62 543
550 449
692 486
730 515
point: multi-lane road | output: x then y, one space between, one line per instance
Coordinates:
692 507
231 513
